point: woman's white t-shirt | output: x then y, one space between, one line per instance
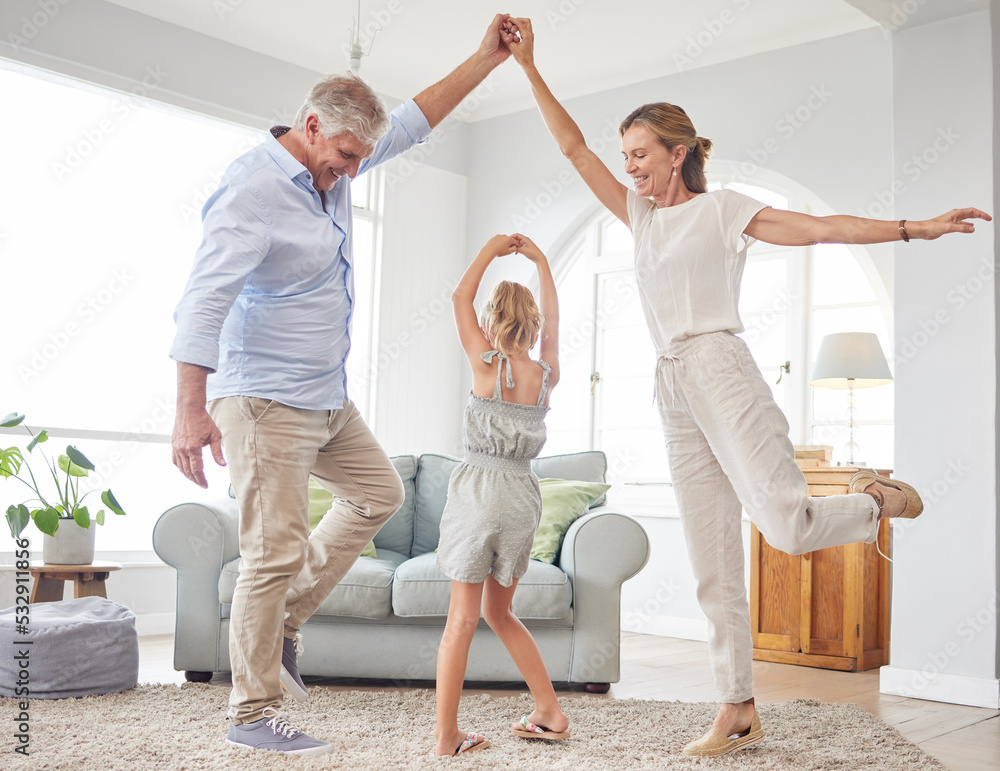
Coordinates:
689 262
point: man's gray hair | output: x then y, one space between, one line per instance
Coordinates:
345 103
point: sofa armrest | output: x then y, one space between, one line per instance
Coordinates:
198 539
601 550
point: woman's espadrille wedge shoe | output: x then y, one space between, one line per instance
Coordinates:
714 743
866 477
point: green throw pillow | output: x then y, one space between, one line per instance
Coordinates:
320 502
563 500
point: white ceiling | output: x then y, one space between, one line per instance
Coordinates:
583 46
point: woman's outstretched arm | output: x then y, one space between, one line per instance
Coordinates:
788 228
609 191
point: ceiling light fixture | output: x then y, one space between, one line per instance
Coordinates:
356 52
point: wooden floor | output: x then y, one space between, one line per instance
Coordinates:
963 738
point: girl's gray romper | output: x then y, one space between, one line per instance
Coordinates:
494 503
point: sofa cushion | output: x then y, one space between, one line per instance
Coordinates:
320 502
589 466
420 589
364 592
397 534
433 474
563 501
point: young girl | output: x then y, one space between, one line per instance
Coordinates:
494 503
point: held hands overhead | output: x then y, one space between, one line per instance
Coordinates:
519 39
496 42
501 245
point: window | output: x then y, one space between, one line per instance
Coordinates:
842 300
99 223
366 196
790 298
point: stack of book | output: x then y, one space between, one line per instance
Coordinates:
823 478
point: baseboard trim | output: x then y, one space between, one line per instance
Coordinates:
940 686
149 624
666 626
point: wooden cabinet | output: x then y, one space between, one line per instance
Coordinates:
828 608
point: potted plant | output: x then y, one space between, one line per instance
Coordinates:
74 544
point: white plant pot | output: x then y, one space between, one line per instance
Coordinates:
71 545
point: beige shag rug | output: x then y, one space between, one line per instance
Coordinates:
183 728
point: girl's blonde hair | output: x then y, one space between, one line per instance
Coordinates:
511 318
672 126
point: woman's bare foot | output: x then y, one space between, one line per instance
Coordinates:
734 718
891 501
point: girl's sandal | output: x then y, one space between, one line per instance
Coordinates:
472 742
528 730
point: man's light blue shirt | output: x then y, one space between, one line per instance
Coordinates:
269 303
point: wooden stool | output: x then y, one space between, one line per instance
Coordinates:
88 580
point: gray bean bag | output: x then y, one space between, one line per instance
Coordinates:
71 648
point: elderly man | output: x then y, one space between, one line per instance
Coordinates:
267 313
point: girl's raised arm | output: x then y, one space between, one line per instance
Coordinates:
548 304
464 297
609 191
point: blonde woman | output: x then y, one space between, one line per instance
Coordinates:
494 502
727 441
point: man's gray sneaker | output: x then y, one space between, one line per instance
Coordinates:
272 732
291 649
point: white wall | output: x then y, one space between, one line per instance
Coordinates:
419 364
944 626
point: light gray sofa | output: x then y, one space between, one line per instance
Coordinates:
385 619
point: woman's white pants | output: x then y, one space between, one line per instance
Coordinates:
728 446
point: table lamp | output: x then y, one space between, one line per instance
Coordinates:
850 360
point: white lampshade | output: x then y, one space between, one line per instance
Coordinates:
850 359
